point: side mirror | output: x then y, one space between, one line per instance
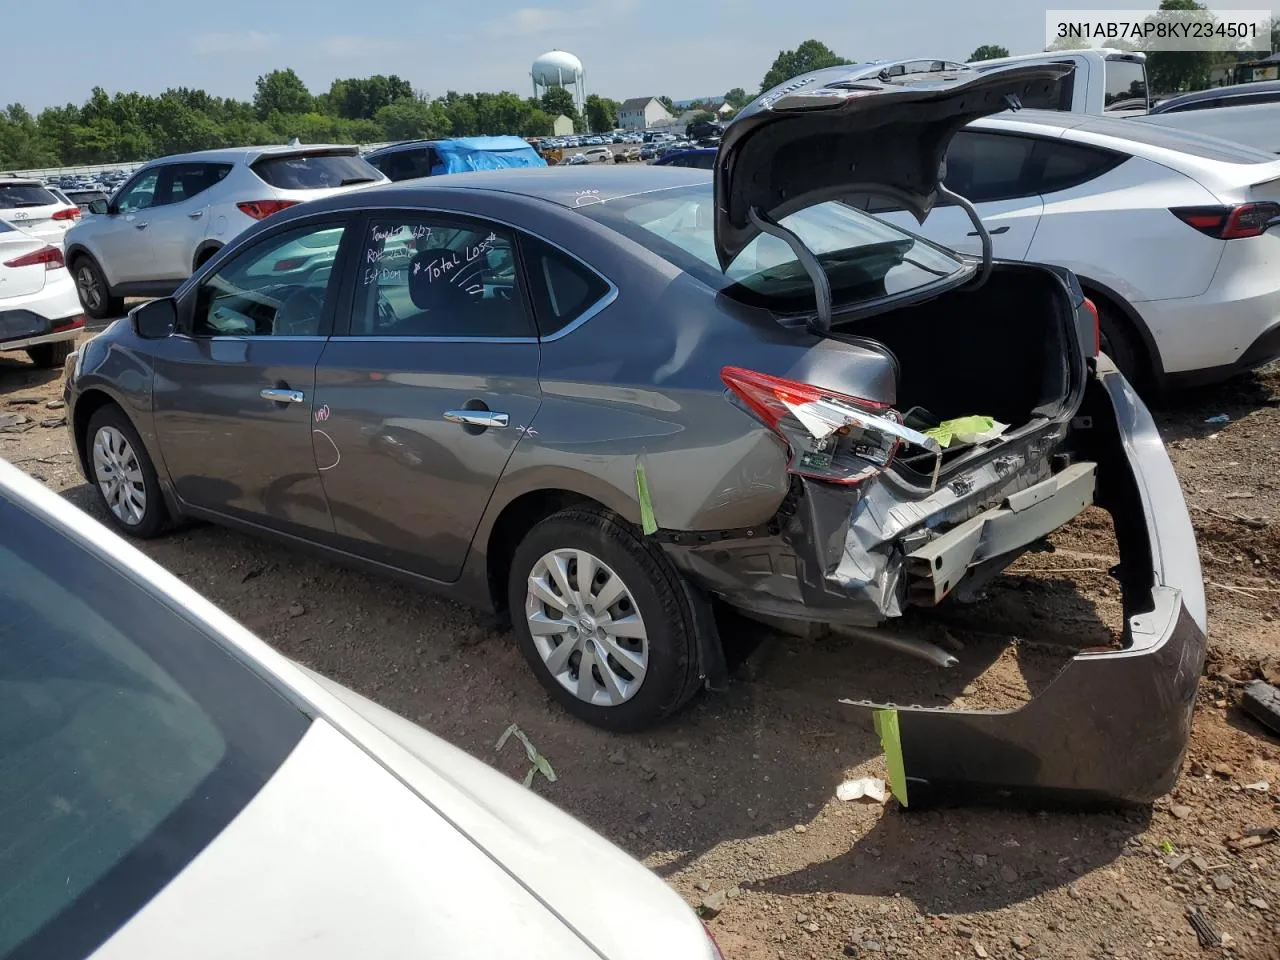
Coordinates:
155 320
99 207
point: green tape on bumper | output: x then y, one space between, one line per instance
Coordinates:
648 523
886 723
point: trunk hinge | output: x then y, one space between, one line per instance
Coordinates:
821 285
978 225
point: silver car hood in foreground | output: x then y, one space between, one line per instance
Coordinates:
828 136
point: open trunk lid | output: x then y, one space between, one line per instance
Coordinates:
824 136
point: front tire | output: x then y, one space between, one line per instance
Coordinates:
124 476
601 617
95 294
50 355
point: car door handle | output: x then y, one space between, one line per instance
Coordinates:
283 395
994 233
477 418
196 214
143 225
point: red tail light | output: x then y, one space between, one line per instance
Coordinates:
289 263
830 436
71 323
1227 222
51 257
261 209
70 213
1097 325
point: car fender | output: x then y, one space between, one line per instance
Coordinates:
84 247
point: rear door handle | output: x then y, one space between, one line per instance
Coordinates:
143 225
196 214
477 418
995 233
282 395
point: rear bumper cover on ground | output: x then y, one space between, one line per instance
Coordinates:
1113 726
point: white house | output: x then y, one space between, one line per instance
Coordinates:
641 113
562 126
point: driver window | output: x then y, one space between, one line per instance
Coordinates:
276 288
431 277
140 194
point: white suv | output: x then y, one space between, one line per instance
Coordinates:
28 205
176 213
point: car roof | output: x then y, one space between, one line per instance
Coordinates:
250 154
1258 87
400 147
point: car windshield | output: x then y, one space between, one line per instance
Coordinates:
13 195
865 259
128 740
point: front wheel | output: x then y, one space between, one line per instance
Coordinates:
602 619
124 475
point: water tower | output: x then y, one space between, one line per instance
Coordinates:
559 69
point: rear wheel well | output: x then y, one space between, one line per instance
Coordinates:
517 518
90 402
204 254
1135 332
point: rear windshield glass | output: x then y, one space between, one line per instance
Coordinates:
14 195
1184 141
315 171
128 740
865 258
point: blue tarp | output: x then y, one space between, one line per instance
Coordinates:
484 153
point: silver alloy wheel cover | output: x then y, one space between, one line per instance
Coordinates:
87 283
119 476
601 625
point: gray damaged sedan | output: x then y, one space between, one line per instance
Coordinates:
603 401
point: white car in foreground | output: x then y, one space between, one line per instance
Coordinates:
1174 236
174 214
28 205
39 310
174 788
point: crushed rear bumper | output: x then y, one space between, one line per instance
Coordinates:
1113 726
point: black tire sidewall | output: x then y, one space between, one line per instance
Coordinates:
1118 345
155 517
671 677
49 356
110 305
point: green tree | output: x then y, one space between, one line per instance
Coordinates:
1176 71
669 104
557 101
810 55
414 119
360 98
988 51
537 124
737 98
281 91
21 143
602 113
702 115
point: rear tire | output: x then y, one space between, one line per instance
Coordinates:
640 674
1118 343
50 355
123 475
95 294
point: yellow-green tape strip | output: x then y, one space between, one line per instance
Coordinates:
648 523
886 722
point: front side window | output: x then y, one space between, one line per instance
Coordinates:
422 276
140 194
983 167
1126 80
129 739
279 287
865 259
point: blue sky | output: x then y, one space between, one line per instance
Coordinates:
680 48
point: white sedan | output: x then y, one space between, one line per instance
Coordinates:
1174 236
39 309
173 787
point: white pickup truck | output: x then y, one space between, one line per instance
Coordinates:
1114 82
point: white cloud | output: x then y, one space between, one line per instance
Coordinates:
526 22
249 41
350 46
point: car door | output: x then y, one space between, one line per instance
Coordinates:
423 395
233 387
179 220
996 173
118 239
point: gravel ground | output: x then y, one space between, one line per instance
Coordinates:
736 796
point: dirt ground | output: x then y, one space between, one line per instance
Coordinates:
737 794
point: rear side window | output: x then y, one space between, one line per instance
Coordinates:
129 739
1061 166
314 171
182 181
562 288
989 166
17 195
1126 80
